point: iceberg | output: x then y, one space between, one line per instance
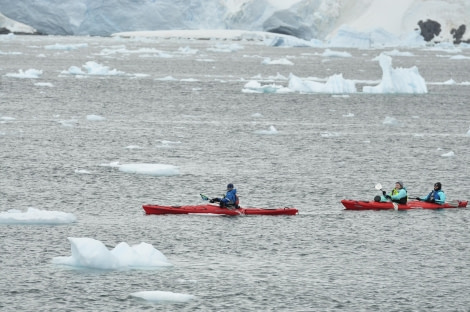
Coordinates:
93 254
397 80
335 84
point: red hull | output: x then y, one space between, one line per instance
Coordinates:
215 209
350 204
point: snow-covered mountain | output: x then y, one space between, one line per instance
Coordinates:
306 19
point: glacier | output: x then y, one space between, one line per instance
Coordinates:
305 19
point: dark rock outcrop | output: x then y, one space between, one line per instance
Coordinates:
429 29
458 34
6 31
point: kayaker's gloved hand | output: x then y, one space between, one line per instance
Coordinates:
385 193
388 197
211 201
215 199
417 198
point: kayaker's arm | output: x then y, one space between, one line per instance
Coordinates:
442 198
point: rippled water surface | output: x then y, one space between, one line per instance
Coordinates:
327 148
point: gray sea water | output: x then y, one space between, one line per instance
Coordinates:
327 148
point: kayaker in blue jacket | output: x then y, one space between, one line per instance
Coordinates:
398 194
230 199
437 195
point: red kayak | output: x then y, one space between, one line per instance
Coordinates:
215 209
350 204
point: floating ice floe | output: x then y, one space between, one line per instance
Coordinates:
162 296
29 73
459 57
391 121
144 52
95 117
70 123
82 171
283 61
255 87
187 50
227 48
133 147
66 47
334 84
272 130
44 84
167 78
328 134
93 69
397 80
448 154
36 216
168 144
148 169
93 254
332 53
290 41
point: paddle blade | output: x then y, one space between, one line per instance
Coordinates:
378 186
204 197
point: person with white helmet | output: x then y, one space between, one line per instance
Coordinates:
437 195
230 199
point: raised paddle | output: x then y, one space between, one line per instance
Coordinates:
378 186
204 197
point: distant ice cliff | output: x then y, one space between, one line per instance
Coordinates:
305 19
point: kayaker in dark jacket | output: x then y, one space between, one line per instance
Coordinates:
230 199
436 195
398 194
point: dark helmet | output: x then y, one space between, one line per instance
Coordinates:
438 185
229 186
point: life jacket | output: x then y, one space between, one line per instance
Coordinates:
235 204
402 200
434 195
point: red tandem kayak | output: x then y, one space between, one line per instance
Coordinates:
350 204
215 209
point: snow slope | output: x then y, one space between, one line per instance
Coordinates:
14 26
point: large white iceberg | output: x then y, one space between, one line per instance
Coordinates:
335 84
397 80
91 253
